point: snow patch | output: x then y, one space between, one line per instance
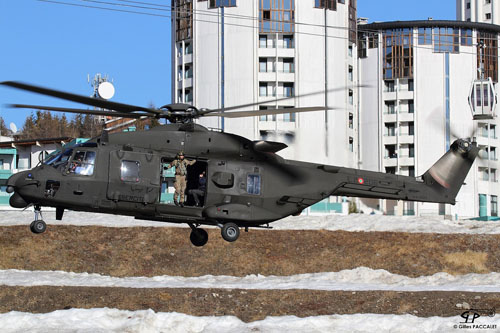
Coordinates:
113 320
353 222
358 279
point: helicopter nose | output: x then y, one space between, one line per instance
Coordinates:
15 183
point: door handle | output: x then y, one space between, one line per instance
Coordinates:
78 192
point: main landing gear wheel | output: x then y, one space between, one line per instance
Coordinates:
38 227
198 237
230 232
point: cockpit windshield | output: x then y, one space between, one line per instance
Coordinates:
60 159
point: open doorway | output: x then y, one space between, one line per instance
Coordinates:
167 189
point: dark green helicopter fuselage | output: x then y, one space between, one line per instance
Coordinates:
247 182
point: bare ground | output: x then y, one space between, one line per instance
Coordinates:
248 305
167 251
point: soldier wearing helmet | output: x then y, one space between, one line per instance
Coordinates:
180 183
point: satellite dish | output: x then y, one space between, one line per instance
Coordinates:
13 128
106 90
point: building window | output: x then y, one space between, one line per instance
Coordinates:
263 65
493 175
410 85
289 117
351 97
390 107
494 205
425 36
288 90
488 16
487 2
389 86
288 66
398 53
411 171
288 42
446 40
490 54
221 3
351 120
411 150
493 131
353 27
391 170
276 16
493 154
183 20
328 4
351 144
263 41
362 45
266 117
390 151
188 73
468 5
373 40
411 106
390 129
350 73
349 51
188 48
263 89
466 37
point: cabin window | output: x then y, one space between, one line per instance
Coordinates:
82 163
130 171
253 184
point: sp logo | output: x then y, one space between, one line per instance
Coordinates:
470 316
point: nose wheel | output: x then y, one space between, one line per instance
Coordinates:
198 236
38 225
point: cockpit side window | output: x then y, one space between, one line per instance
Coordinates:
129 171
83 163
253 184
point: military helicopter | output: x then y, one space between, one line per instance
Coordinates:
248 184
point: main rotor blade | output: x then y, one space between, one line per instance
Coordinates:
70 110
100 103
253 113
204 112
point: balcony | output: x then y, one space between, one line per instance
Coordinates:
406 116
405 138
390 162
389 95
389 117
269 76
389 140
188 58
406 161
286 76
405 94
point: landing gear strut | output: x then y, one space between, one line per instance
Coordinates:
198 237
230 232
38 225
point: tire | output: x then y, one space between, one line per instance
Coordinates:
230 232
32 228
199 237
38 227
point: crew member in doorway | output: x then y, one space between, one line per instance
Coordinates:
200 191
180 165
